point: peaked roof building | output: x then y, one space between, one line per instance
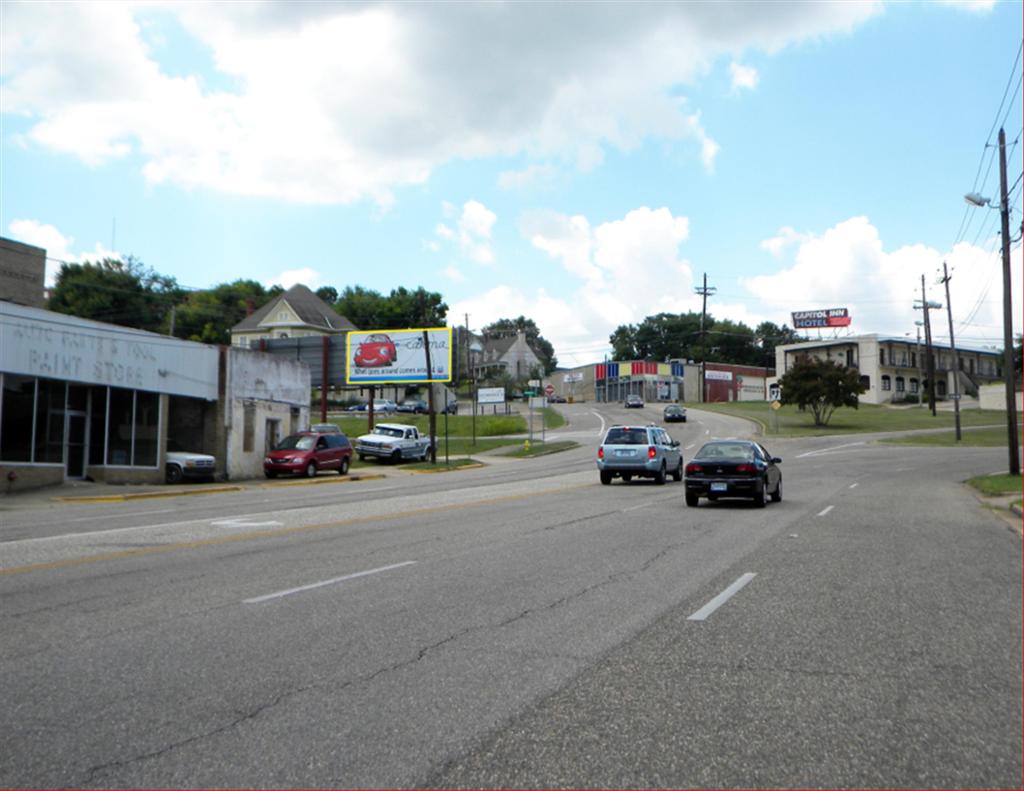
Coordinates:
296 313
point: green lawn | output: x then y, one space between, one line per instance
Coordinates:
970 438
790 422
994 485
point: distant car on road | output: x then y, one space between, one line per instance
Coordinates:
733 468
416 406
556 399
633 401
379 405
639 451
325 428
674 414
308 452
376 351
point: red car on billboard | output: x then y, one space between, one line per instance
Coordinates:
376 351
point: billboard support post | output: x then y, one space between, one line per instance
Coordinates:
432 418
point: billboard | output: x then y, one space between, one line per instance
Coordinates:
830 317
396 356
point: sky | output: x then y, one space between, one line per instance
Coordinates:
582 164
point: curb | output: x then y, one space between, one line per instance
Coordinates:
117 498
319 481
476 466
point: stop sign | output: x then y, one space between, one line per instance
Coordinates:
549 389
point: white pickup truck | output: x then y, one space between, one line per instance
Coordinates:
393 441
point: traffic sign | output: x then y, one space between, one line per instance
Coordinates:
549 389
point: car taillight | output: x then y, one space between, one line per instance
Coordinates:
600 453
693 469
747 468
651 451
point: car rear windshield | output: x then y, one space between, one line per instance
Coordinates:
626 436
726 450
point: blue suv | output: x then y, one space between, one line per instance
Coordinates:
639 451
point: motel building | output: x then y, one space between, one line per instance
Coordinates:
894 370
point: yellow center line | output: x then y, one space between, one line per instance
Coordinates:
276 532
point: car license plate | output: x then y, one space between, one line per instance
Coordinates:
625 453
719 486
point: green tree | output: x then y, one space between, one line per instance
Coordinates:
115 291
768 336
545 351
207 316
820 386
402 309
328 294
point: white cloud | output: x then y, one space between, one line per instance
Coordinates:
786 237
306 276
848 266
533 177
342 102
454 274
59 248
974 6
627 269
473 231
743 76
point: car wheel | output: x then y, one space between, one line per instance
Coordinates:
777 494
762 496
627 478
396 456
678 474
692 500
311 470
343 467
270 473
173 474
606 477
660 477
684 419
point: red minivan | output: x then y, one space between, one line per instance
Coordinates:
308 452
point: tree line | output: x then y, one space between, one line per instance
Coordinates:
131 294
672 336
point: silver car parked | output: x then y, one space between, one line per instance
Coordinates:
639 451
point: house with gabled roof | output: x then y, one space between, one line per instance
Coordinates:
510 354
297 313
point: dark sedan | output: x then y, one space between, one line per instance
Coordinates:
733 468
674 414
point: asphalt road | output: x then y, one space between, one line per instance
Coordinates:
521 625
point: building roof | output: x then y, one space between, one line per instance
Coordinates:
310 309
855 339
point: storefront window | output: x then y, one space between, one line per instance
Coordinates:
19 395
119 438
147 427
50 422
97 425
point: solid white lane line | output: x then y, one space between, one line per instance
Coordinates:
290 591
829 450
598 415
822 513
705 611
854 485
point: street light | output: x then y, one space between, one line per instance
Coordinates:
974 199
474 348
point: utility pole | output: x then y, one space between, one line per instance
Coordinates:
705 292
929 358
956 356
920 384
1009 369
